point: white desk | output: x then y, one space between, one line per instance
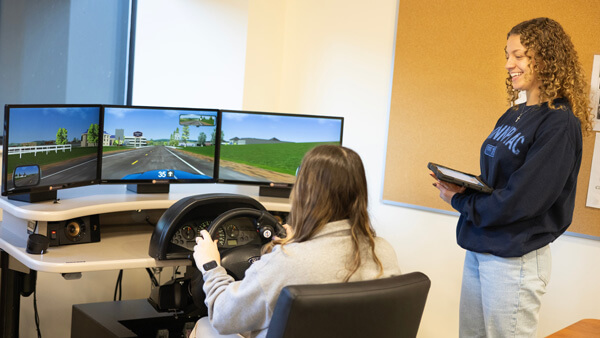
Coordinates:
122 246
123 242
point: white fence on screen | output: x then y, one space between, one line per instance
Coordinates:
38 149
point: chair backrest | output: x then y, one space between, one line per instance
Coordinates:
388 307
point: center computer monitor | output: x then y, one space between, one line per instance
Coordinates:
266 149
150 147
47 148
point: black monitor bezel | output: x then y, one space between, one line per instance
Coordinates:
266 183
167 181
44 188
99 180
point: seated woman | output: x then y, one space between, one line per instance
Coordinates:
329 240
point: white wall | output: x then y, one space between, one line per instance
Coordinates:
190 53
336 58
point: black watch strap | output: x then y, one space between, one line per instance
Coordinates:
210 265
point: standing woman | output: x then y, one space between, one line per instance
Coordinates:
531 159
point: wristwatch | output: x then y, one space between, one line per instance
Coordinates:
209 266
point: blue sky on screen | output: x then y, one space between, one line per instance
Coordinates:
284 128
41 124
153 123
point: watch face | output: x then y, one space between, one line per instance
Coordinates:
210 265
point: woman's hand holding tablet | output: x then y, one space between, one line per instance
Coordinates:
460 178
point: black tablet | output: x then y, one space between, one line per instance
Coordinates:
459 178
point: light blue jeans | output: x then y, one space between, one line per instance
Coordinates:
501 297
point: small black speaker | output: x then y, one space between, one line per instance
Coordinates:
74 231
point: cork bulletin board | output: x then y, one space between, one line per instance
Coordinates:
448 90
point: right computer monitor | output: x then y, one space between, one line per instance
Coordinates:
267 148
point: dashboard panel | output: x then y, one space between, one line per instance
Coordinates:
174 235
238 231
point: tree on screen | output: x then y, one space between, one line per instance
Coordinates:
202 139
61 136
186 134
174 140
93 133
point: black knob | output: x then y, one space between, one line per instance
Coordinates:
266 231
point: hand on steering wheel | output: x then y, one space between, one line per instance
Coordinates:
239 258
206 249
288 232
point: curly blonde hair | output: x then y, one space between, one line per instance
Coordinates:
556 65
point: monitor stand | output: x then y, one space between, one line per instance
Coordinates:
149 188
34 196
268 191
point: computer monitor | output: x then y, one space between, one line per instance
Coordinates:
47 148
148 148
266 149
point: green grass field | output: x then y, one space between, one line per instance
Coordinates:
206 151
279 157
42 159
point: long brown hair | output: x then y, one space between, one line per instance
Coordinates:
331 186
557 66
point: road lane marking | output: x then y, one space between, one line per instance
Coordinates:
182 160
73 167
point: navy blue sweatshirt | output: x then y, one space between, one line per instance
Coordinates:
531 159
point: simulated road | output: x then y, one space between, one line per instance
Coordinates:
117 165
229 174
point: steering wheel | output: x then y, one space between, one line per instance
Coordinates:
238 259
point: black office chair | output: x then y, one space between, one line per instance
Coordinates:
389 307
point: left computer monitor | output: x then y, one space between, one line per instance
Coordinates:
47 148
149 148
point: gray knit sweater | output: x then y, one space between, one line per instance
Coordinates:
246 306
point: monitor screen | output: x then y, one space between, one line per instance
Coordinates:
49 147
267 148
158 145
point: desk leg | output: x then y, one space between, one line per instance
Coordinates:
10 299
